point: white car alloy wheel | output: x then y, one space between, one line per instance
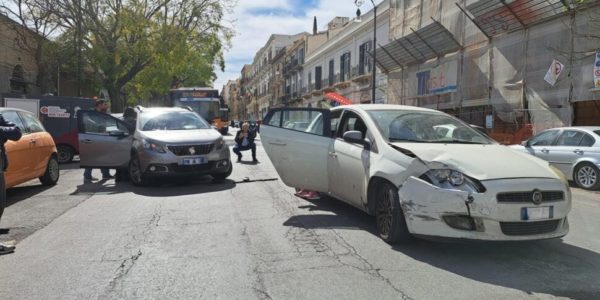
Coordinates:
586 176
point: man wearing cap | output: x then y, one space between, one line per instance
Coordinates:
101 106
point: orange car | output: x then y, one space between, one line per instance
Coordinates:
34 155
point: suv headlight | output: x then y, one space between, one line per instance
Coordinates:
153 146
452 179
219 143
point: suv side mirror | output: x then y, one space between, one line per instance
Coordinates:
356 138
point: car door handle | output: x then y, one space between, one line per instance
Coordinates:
545 150
577 151
32 141
333 154
278 143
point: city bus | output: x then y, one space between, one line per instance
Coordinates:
205 102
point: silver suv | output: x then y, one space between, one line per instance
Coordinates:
153 142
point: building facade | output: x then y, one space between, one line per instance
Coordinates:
18 68
510 66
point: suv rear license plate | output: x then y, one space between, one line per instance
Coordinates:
193 161
537 213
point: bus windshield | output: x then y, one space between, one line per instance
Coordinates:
209 109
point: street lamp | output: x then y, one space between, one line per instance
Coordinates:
359 3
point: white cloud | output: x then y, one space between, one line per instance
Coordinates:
253 31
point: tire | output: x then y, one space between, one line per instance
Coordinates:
587 176
65 154
391 225
136 175
220 177
52 173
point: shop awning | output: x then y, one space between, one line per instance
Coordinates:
431 41
338 98
500 16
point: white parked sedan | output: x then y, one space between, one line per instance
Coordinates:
391 162
573 150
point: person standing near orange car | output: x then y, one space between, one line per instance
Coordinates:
8 131
101 105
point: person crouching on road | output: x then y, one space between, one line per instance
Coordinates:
244 140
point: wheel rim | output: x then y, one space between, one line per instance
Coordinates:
384 212
53 169
134 171
63 155
587 176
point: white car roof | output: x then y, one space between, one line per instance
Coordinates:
368 107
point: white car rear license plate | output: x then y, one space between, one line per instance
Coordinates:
537 213
193 161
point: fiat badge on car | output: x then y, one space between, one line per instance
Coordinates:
536 197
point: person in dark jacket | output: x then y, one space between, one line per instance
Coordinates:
8 131
244 140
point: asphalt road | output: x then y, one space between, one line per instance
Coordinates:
253 239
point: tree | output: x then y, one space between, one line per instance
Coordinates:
119 39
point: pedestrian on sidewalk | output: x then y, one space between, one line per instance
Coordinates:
244 140
101 105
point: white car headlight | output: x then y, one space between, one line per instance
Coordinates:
452 179
153 146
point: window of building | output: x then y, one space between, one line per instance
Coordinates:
345 67
364 59
331 72
301 56
309 80
318 73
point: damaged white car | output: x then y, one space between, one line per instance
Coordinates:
395 163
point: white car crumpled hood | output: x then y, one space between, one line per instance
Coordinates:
182 136
483 162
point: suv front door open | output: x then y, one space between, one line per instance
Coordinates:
104 141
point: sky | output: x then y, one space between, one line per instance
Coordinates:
255 20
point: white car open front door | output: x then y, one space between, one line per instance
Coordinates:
300 156
104 141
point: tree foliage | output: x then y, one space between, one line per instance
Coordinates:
141 46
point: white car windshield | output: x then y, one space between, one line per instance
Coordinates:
172 120
424 127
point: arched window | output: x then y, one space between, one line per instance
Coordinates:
17 81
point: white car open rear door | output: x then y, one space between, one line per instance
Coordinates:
300 156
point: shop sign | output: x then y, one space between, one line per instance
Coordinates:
438 80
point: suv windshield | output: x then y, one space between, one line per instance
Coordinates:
424 127
172 120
